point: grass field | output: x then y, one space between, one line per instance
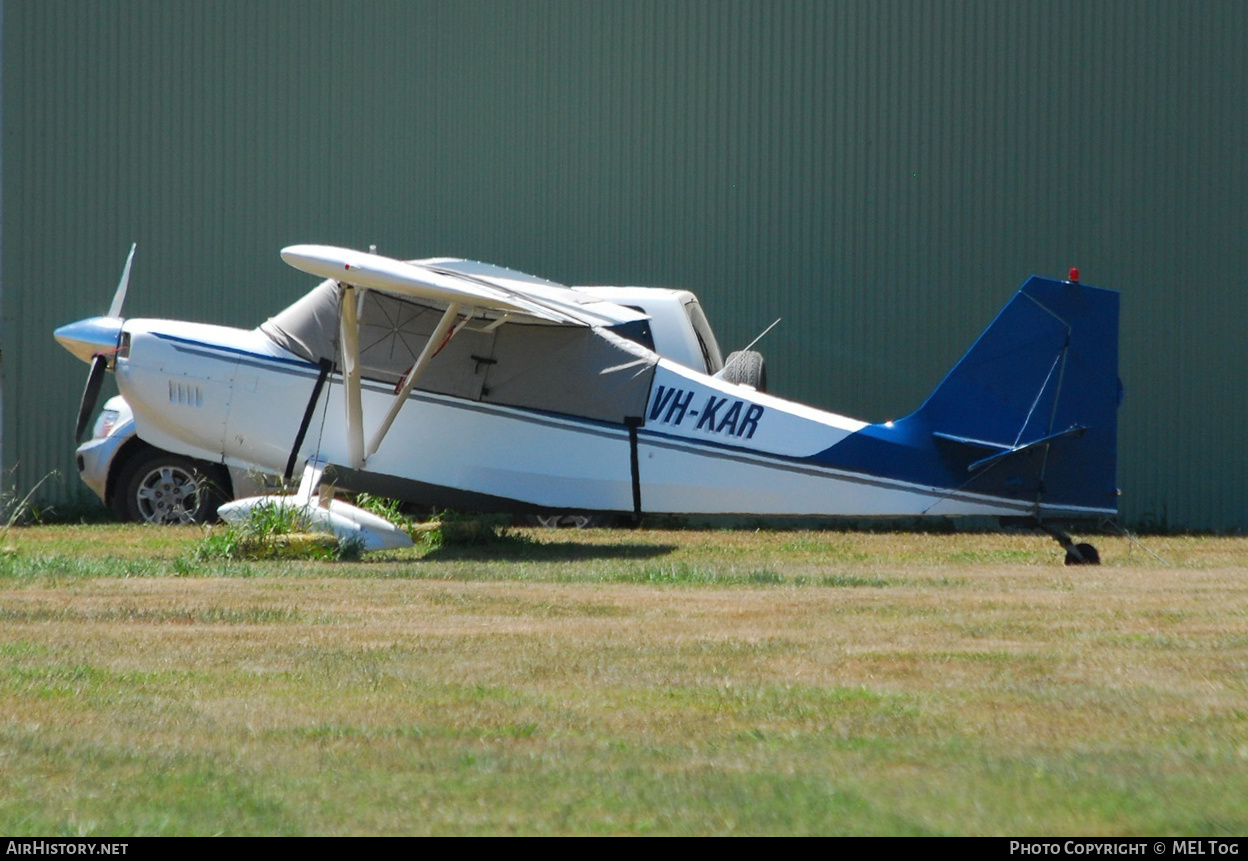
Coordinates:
604 682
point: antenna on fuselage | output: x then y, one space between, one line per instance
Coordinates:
737 353
750 346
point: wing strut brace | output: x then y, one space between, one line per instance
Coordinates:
349 325
441 335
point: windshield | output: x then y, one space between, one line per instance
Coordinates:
706 338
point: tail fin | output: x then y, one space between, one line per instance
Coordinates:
1030 412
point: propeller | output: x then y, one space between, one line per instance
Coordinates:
90 394
114 310
96 341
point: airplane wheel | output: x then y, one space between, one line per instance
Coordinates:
746 368
1088 554
162 488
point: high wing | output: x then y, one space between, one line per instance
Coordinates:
460 282
468 290
535 396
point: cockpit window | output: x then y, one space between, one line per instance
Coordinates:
637 331
706 338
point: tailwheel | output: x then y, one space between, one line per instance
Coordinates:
1082 554
1076 554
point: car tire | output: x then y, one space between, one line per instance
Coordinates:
565 521
162 488
746 368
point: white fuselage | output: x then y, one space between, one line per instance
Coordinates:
704 446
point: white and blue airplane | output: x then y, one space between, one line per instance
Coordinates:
471 386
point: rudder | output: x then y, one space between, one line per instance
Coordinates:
1031 409
1027 416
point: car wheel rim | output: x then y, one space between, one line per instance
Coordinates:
564 521
168 495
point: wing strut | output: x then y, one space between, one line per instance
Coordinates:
350 332
436 342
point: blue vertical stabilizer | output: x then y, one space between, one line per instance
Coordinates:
1028 414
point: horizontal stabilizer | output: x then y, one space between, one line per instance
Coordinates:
1001 452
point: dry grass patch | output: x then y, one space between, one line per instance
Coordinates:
625 683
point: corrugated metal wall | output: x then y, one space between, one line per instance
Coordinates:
881 174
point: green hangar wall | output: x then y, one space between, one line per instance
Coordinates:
880 174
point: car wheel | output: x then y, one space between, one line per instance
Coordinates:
163 488
564 521
746 368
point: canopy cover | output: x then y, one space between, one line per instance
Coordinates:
587 371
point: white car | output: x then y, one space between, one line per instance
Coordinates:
142 483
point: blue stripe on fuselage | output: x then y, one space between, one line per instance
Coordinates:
301 368
215 351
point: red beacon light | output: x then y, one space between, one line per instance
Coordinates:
1074 276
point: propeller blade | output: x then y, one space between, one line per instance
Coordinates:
119 297
90 394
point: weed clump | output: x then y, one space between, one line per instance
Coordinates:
13 509
449 529
273 531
